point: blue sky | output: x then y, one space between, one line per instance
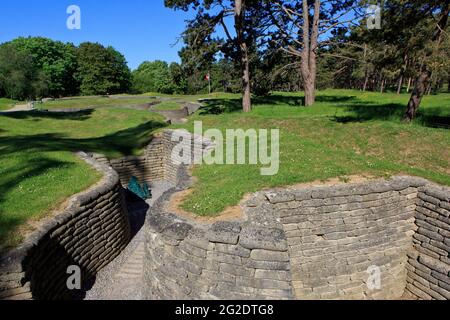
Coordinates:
140 29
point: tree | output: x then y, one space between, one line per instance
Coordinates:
56 60
178 78
101 70
423 79
300 26
19 79
153 77
210 15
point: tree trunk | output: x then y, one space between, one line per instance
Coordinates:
383 81
402 74
246 85
366 81
417 95
366 71
400 85
424 78
308 66
310 96
409 84
448 89
239 16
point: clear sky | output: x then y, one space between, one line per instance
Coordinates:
140 29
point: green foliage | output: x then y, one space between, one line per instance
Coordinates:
35 67
101 70
153 77
178 78
56 60
19 78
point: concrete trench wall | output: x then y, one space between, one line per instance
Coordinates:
429 262
313 243
293 243
306 243
156 164
336 234
226 260
90 233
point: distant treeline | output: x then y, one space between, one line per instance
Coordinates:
39 67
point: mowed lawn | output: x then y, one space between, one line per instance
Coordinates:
346 133
6 104
38 168
168 106
97 101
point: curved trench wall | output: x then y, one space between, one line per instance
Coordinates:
429 261
90 233
156 163
315 243
226 260
325 242
338 234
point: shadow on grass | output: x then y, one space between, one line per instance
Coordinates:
79 115
219 106
124 142
32 168
363 112
51 274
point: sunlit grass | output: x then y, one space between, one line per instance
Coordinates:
38 168
345 133
6 104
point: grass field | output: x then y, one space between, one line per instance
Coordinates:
345 133
168 105
87 102
38 169
6 104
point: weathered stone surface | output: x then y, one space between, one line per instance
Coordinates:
177 231
319 242
224 232
85 233
236 250
266 255
253 237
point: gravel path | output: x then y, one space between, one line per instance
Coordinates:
122 278
18 108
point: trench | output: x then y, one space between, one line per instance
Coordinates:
311 242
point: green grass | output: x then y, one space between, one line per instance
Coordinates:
38 169
6 104
89 102
168 105
346 133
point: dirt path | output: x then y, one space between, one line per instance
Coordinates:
18 108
